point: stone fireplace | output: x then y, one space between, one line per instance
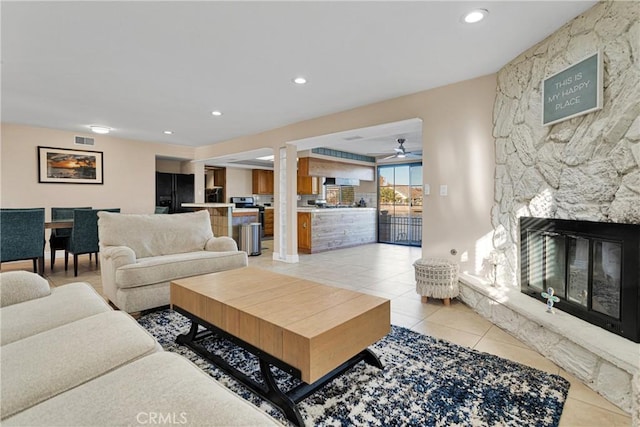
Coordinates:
586 168
592 267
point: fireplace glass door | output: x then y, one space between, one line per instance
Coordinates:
593 268
579 271
547 251
606 278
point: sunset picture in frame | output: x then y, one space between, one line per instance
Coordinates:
67 166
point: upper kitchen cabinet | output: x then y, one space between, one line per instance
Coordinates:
308 185
262 181
311 166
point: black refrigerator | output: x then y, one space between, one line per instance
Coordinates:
174 189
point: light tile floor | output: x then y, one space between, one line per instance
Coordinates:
387 271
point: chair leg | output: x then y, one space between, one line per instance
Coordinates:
35 265
41 265
75 265
66 260
53 258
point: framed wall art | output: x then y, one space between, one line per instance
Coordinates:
573 91
67 166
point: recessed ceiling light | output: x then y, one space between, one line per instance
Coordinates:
475 16
299 80
269 157
99 129
216 113
168 132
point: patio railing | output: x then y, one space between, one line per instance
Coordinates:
401 230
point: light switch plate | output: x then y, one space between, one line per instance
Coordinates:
444 190
427 189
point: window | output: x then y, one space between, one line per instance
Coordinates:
400 204
340 195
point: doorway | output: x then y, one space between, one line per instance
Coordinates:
400 204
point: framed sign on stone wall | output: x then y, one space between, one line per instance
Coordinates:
573 91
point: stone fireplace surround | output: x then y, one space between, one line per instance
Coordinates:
606 362
585 168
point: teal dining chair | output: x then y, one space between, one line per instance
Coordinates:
22 236
84 236
59 239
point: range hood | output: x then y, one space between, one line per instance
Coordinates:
341 181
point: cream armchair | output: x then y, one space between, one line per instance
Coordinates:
141 254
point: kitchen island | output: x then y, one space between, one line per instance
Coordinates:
324 229
221 216
226 219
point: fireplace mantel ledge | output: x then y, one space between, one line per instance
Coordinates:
619 351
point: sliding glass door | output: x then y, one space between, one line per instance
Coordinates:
400 204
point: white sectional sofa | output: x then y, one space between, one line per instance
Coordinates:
142 254
87 365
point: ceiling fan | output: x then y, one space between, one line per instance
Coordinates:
401 152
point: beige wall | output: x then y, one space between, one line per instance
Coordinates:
458 149
129 171
239 183
457 145
168 166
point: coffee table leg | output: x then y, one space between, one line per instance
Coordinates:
371 358
184 339
277 397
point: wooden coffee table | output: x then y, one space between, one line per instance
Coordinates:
312 331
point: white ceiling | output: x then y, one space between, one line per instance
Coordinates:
144 67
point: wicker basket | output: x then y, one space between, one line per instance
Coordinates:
436 278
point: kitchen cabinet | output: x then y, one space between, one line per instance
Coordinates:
329 229
308 185
304 232
240 217
262 181
268 222
303 166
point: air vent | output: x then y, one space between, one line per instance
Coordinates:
343 154
352 138
80 140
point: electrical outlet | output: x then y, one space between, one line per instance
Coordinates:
444 190
427 189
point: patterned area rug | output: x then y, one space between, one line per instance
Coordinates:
425 382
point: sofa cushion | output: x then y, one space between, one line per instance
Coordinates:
171 267
39 367
66 304
21 286
163 388
154 235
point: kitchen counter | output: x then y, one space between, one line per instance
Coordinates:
220 214
245 210
324 229
208 205
334 210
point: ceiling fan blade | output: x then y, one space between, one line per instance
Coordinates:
393 156
413 154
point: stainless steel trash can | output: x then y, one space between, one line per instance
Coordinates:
250 240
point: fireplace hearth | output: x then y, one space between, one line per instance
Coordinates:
593 268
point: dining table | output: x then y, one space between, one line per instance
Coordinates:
61 223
